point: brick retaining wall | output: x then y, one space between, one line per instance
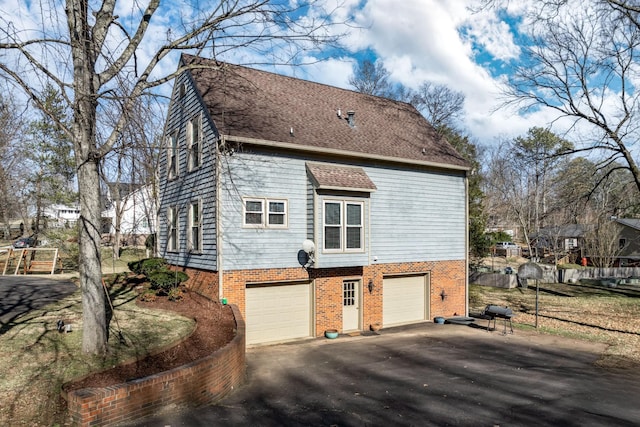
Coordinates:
202 382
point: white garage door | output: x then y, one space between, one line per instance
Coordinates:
404 300
278 312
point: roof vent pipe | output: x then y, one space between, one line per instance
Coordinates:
351 118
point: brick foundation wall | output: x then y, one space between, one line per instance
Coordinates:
444 276
202 382
202 281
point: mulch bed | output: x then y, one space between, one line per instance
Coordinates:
214 328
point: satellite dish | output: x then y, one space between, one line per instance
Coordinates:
308 246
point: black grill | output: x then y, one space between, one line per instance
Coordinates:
493 312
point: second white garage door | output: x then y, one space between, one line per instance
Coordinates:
278 312
404 300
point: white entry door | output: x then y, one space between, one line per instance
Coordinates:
350 305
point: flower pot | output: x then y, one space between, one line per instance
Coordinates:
331 333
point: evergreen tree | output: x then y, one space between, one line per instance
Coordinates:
50 152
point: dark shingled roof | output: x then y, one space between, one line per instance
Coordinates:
249 103
332 177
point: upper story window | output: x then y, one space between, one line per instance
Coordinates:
622 243
173 231
194 142
343 226
182 90
173 159
194 242
270 213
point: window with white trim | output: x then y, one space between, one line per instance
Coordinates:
343 226
173 155
173 231
194 242
194 142
265 213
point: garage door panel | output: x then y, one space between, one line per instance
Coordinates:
278 312
404 300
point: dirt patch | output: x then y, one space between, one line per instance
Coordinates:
215 327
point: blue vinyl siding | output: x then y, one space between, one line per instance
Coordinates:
254 175
417 216
189 187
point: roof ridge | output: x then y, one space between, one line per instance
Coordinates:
306 80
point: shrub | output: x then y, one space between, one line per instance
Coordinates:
175 294
150 242
148 296
147 266
165 280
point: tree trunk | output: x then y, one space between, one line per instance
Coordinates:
118 224
94 315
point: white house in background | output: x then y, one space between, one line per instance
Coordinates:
136 207
59 216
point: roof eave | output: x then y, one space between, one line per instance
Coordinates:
337 152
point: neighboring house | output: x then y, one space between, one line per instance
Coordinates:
570 238
131 208
559 239
628 242
309 206
59 216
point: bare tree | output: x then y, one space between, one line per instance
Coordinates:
371 78
520 178
508 192
602 242
581 60
12 182
537 156
441 105
99 49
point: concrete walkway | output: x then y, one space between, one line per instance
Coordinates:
425 375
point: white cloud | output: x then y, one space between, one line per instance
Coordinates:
333 72
494 35
421 40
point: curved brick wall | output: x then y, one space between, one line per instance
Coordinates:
202 382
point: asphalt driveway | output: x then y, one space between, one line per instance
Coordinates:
20 294
426 375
